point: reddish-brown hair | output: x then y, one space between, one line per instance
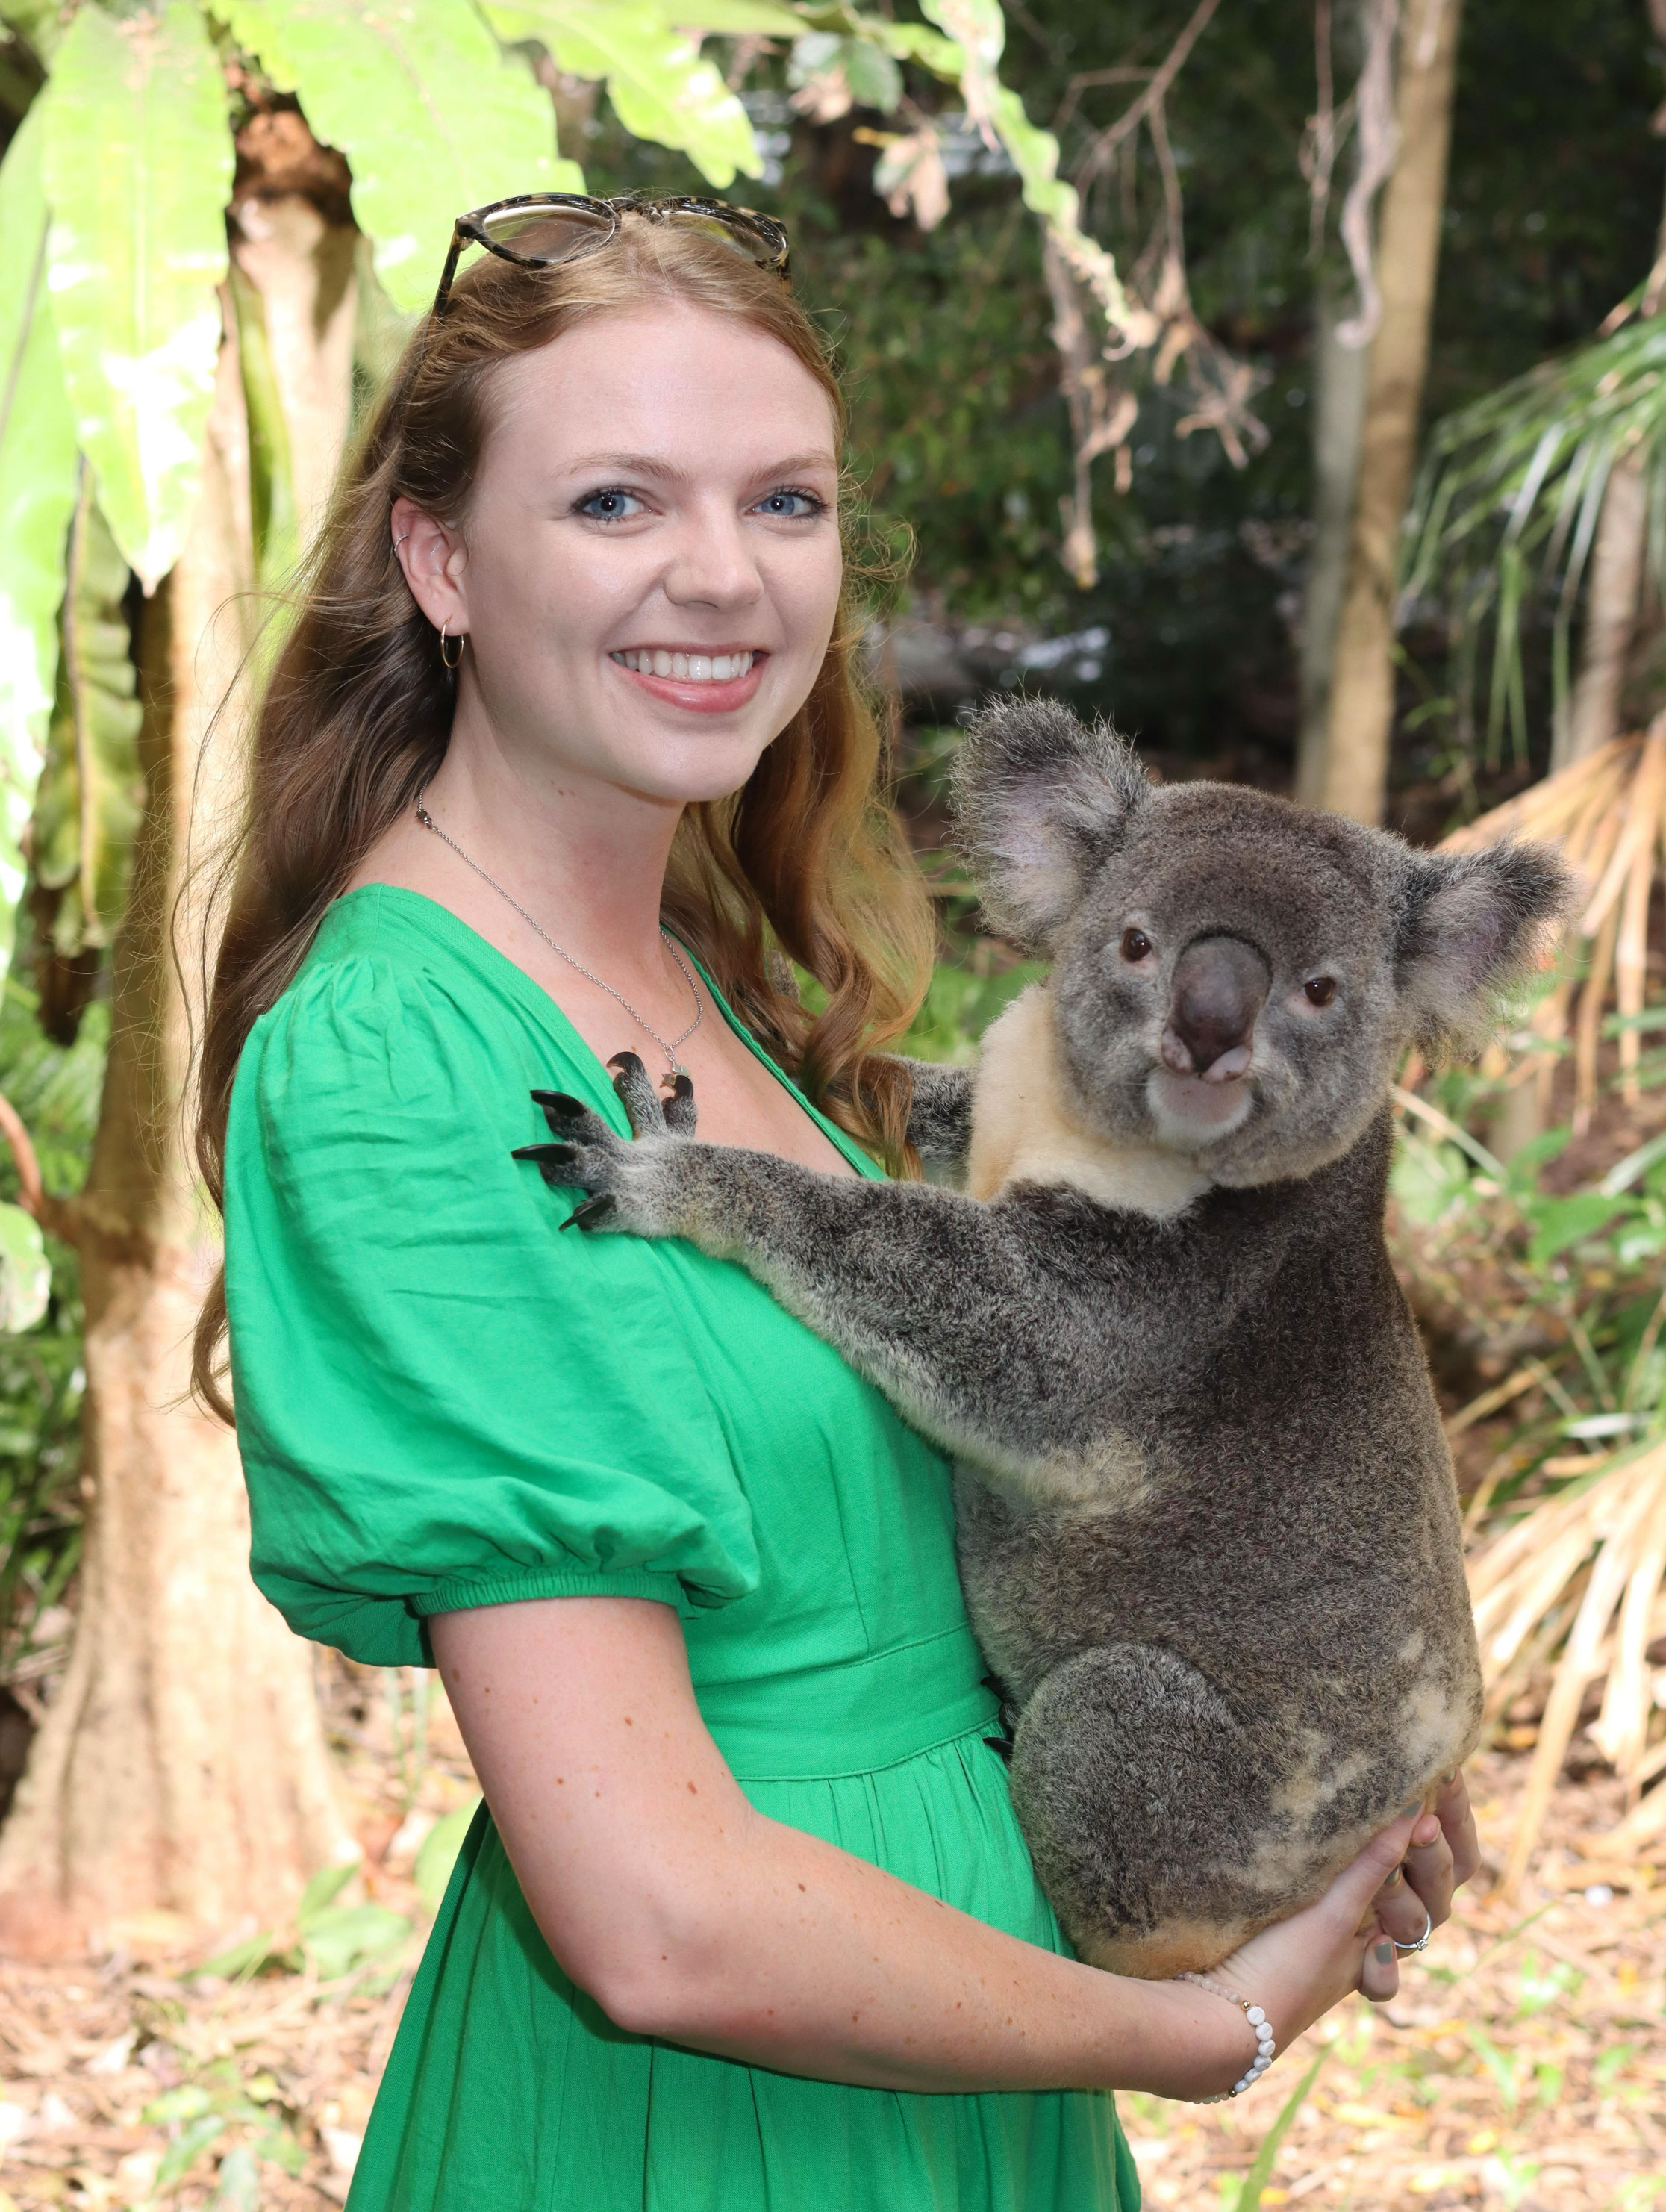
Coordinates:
806 860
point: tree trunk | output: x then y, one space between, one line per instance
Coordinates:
1593 715
1339 416
1354 780
182 1766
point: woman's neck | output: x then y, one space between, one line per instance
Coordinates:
586 859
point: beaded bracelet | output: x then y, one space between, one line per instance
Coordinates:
1265 2046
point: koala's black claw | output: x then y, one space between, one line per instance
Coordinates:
560 1100
593 1209
635 1090
1001 1747
679 1112
548 1157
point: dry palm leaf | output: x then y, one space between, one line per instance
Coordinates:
1607 812
1586 1568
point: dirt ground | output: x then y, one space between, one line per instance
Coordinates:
1523 2065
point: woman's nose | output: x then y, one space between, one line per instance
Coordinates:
713 565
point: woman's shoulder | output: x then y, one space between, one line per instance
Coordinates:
395 990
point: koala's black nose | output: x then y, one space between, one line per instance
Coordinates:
1221 985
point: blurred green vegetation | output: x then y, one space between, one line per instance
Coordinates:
56 1093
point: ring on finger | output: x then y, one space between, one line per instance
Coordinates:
1406 1950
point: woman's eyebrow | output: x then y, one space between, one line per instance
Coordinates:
652 465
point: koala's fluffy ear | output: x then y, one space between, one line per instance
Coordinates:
1039 800
1470 924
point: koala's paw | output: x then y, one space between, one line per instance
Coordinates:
628 1186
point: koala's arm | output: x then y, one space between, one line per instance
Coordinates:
971 1317
940 1112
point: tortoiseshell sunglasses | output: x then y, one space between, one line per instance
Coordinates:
538 229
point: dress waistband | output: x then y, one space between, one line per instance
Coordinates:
819 1723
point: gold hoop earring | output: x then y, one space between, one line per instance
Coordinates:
458 641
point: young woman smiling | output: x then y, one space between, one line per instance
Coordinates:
563 751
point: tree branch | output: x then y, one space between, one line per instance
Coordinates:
1105 144
56 1215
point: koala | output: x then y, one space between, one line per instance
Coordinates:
1207 1522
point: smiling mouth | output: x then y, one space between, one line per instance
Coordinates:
687 667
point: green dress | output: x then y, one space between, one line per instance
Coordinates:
443 1402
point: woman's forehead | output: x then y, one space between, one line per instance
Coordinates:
679 382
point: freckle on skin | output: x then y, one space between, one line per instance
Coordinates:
693 1792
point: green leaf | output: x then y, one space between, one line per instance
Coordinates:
26 1274
241 1959
37 492
438 1855
187 2148
432 117
1261 2173
138 164
238 2189
764 18
188 2102
325 1887
1560 1222
92 787
659 87
337 1940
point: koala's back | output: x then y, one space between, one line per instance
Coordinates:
1281 1520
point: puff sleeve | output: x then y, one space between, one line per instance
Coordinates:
441 1401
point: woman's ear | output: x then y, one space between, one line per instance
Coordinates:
1039 801
431 553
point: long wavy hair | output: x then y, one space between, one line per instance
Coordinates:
806 864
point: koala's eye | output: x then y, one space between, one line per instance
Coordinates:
1136 945
1320 991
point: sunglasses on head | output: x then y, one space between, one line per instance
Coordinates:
537 230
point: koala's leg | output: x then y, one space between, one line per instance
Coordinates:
1143 1799
940 1114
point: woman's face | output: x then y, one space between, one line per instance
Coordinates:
648 570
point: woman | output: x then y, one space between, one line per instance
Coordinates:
748 1922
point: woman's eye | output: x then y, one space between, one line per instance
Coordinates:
1320 991
1136 945
791 506
609 505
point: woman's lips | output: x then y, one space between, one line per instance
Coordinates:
688 681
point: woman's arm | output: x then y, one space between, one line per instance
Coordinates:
690 1917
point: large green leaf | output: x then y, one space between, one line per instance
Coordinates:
139 163
660 86
37 491
432 117
92 788
26 1274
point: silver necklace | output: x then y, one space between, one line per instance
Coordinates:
674 1066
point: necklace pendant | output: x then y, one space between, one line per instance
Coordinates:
668 1080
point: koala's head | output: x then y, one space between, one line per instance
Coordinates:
1235 978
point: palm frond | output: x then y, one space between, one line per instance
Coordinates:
1506 509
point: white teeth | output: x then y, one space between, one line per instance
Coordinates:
687 667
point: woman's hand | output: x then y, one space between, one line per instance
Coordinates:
1444 1854
1295 1971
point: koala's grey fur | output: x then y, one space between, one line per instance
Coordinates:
1208 1527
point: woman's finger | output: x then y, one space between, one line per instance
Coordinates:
1400 1905
1379 1975
1457 1824
1429 1880
1352 1895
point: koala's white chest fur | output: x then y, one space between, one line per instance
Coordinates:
1021 1133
